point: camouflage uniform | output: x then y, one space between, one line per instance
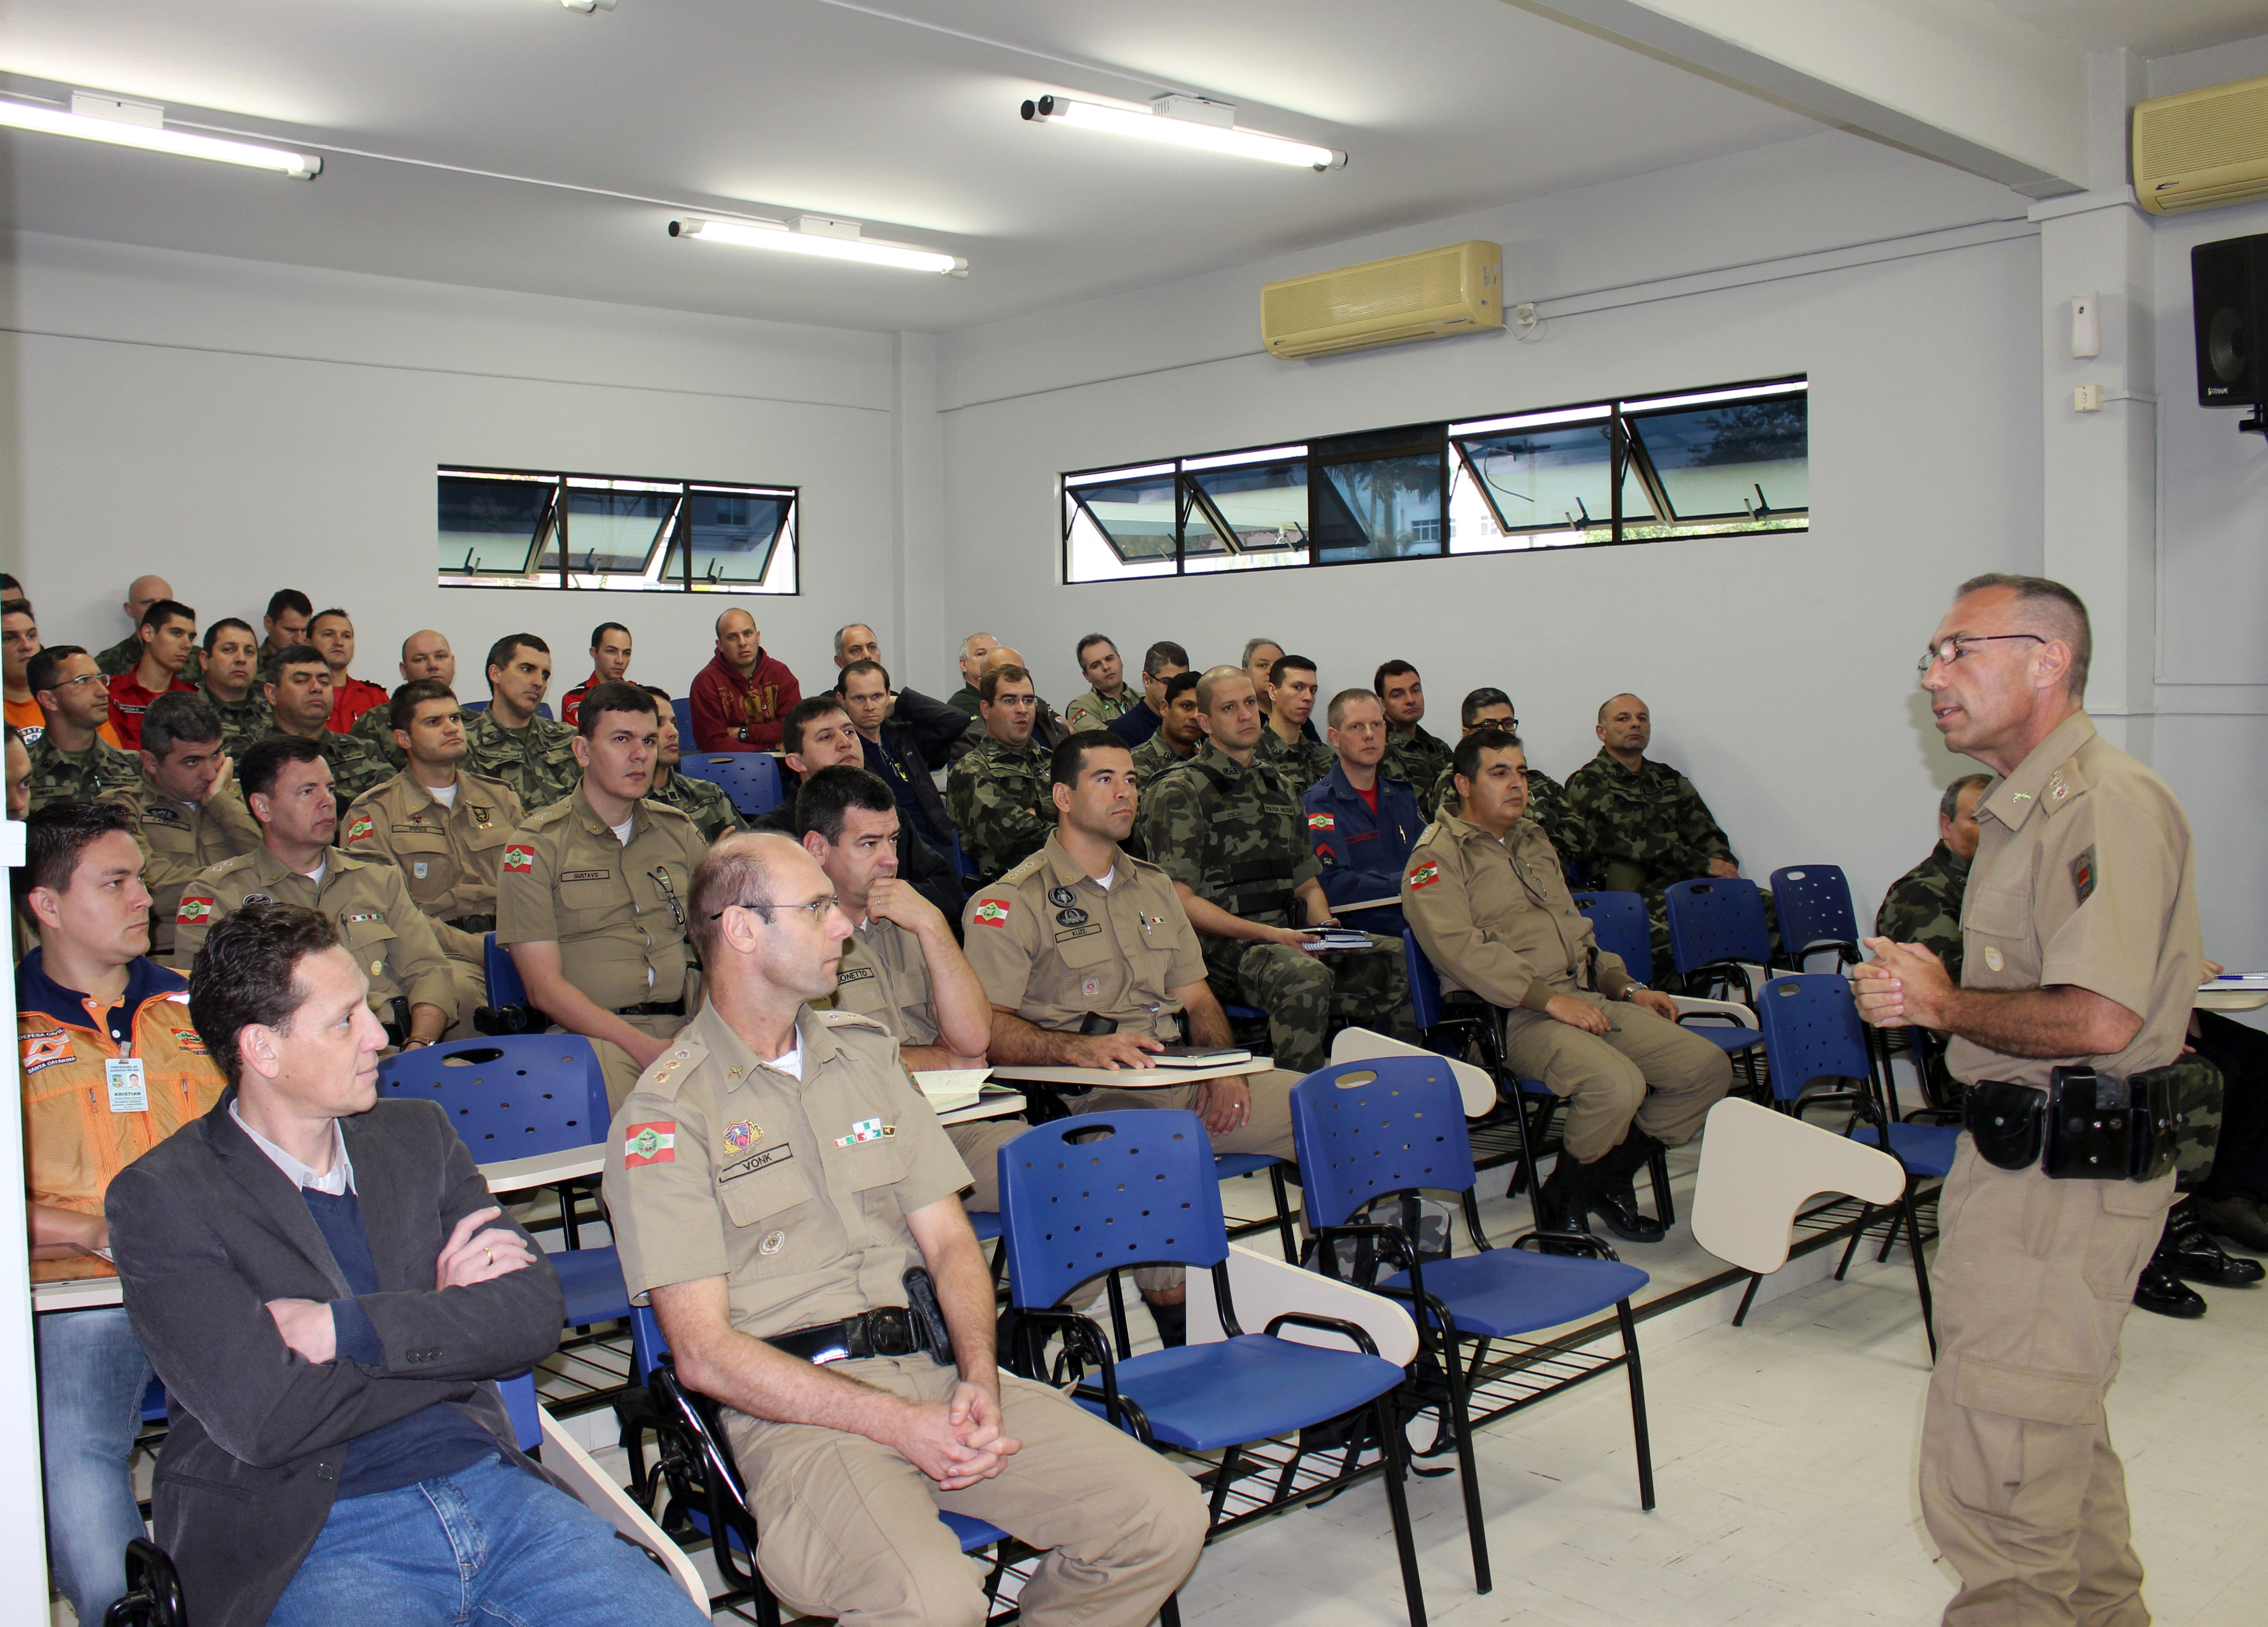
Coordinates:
59 775
538 762
1644 830
126 654
375 729
241 722
355 767
1153 758
1236 837
1001 803
1547 806
701 801
1924 907
1417 756
1301 763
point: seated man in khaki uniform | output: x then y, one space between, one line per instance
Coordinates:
1090 961
591 896
773 1182
1487 897
443 829
189 814
287 785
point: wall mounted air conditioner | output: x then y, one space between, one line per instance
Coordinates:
1457 290
2202 148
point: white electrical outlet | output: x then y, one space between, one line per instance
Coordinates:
2087 398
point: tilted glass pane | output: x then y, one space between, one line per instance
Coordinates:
1136 517
489 525
1745 462
615 531
1089 555
1263 508
736 538
1473 527
1382 508
1545 479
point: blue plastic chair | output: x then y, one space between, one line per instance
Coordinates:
505 989
1812 1031
1714 925
521 1095
1395 1126
1813 901
682 706
521 1401
1085 1196
750 779
706 1493
1618 924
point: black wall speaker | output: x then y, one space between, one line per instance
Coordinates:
2228 282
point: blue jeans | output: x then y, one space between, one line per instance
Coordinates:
93 1376
491 1543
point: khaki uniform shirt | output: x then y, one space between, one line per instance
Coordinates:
885 975
380 926
179 841
448 857
795 1190
616 912
2084 875
1090 708
1495 917
1052 945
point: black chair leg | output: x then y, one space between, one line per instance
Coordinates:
1395 1450
1118 1318
1866 1218
1756 1281
1460 1421
1664 1209
1638 1432
1284 1213
1921 1275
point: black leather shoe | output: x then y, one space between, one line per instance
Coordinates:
2188 1252
1562 1205
2169 1295
1622 1217
2233 1218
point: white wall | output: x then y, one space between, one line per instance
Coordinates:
239 427
1780 669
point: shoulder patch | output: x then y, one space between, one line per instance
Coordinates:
1322 821
2084 875
360 828
1423 876
990 912
519 859
1025 870
196 909
670 1070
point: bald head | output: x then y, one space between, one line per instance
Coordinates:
1614 702
426 654
143 592
1626 729
737 640
761 946
1215 685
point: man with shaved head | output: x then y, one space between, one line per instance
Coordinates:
739 698
932 725
425 654
779 1191
123 656
1645 824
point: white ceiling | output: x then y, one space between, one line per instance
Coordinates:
2146 27
776 106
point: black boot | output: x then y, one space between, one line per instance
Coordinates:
1172 1322
1562 1204
1613 1193
2187 1251
2161 1291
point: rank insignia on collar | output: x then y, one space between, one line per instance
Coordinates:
2057 790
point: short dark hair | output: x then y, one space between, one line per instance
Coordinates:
1476 699
1948 805
1162 654
402 708
289 599
1181 683
1389 669
1070 760
1089 642
55 835
177 717
613 697
213 632
843 683
1284 664
1007 672
271 670
655 690
16 607
1466 761
164 610
41 671
256 775
604 627
826 796
2065 610
245 976
500 651
802 715
321 616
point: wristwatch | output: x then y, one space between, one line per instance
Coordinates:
1632 987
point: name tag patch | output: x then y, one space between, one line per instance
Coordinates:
163 814
853 974
1087 930
757 1162
585 875
129 1090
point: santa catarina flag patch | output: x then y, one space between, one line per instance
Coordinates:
650 1144
519 860
1424 876
360 828
196 906
989 912
1322 822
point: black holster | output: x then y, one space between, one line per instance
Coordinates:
2085 1127
922 1304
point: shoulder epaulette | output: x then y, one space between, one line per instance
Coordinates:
230 867
1024 871
550 814
666 1074
850 1019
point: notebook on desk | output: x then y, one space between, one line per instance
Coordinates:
1199 1056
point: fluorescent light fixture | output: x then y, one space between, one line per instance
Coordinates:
1532 420
1185 122
139 125
822 240
1710 398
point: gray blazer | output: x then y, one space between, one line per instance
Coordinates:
206 1230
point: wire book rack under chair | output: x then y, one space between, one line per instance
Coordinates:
1102 1192
1391 1127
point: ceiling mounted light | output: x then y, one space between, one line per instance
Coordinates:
820 235
143 124
1186 122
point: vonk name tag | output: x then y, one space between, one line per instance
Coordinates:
755 1163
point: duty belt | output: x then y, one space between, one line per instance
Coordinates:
888 1330
654 1008
473 923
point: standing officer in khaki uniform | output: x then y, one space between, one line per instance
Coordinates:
188 812
774 1180
591 896
287 785
1486 896
1090 961
443 829
2081 948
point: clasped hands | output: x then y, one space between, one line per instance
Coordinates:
957 1441
1903 985
468 1257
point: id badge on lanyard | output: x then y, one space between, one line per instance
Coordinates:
130 1090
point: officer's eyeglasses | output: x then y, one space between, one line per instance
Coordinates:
1950 650
73 683
815 909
